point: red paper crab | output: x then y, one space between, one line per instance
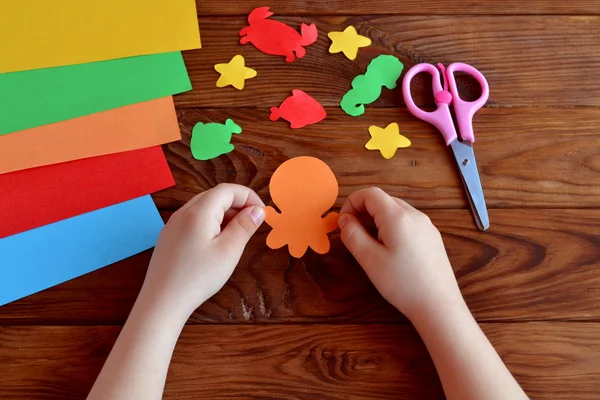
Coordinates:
276 38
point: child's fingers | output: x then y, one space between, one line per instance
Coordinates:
404 204
229 215
223 197
240 229
360 243
212 206
192 201
373 201
227 195
416 214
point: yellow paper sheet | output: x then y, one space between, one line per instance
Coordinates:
43 33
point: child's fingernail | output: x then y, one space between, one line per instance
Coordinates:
258 215
342 220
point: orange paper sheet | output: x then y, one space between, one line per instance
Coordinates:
127 128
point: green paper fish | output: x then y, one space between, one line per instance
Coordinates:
212 140
383 70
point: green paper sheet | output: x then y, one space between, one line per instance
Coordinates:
44 96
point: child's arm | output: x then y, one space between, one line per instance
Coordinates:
193 259
408 264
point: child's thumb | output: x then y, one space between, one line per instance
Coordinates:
240 229
356 238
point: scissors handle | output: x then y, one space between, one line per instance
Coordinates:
465 110
441 117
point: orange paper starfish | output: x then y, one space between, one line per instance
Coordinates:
304 188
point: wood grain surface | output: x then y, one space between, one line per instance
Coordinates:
361 7
527 158
316 328
551 360
530 266
529 61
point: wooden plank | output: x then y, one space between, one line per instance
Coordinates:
550 360
530 265
528 60
526 157
387 7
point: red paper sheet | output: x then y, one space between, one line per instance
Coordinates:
40 196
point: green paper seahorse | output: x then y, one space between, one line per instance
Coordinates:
383 70
212 139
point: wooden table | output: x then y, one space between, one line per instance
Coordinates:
315 328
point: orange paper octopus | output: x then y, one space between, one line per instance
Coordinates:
303 188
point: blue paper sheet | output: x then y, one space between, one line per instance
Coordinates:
44 257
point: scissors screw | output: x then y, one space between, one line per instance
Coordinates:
465 162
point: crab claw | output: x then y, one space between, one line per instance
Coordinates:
309 34
258 14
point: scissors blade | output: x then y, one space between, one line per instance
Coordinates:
465 159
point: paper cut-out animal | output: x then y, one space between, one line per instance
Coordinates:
234 73
303 188
387 140
276 38
212 139
347 42
383 70
299 109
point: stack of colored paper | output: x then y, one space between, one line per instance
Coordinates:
85 103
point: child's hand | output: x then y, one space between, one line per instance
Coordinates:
194 257
406 261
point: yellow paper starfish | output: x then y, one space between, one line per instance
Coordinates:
387 140
234 73
347 42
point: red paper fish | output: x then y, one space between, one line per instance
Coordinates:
300 109
276 38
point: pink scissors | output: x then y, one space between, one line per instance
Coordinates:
441 118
